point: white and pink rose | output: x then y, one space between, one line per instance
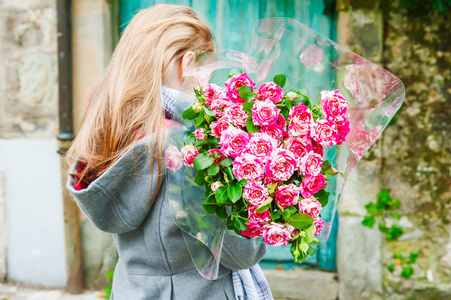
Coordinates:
199 134
301 120
325 132
233 85
189 153
311 185
310 164
264 113
233 141
249 167
255 193
281 164
270 91
287 195
333 105
310 206
276 234
173 158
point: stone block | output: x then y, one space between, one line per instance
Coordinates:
361 187
3 270
302 284
38 80
359 260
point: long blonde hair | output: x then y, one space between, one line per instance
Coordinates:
127 97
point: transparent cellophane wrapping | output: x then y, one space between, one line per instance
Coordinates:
312 63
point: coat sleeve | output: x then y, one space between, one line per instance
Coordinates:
239 253
119 200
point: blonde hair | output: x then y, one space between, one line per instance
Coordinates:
127 97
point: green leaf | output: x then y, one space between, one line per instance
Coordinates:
263 208
248 107
275 214
221 212
391 267
199 119
407 271
309 234
323 197
189 114
234 191
286 214
243 182
382 227
280 80
203 161
369 221
200 178
239 223
292 209
229 173
209 208
250 126
311 250
398 256
301 221
226 162
209 112
213 170
413 257
394 232
246 93
221 194
272 188
110 274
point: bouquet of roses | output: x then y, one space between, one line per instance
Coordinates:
260 157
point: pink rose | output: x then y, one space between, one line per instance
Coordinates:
343 130
310 206
281 164
292 230
261 144
219 106
189 153
368 83
199 134
213 92
281 121
311 185
333 105
236 115
233 85
221 155
287 195
233 141
318 223
270 91
173 158
215 185
325 133
310 164
300 146
360 140
255 193
300 120
264 113
276 235
259 217
249 167
311 56
254 229
275 131
218 127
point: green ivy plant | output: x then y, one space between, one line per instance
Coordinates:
382 208
405 263
107 290
385 206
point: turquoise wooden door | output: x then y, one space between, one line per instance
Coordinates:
232 22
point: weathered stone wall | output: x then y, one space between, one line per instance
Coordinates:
29 88
413 157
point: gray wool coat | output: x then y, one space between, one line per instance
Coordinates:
154 262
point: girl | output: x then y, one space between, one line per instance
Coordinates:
116 164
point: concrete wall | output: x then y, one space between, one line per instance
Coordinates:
30 193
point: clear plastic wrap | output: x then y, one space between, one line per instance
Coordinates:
312 63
